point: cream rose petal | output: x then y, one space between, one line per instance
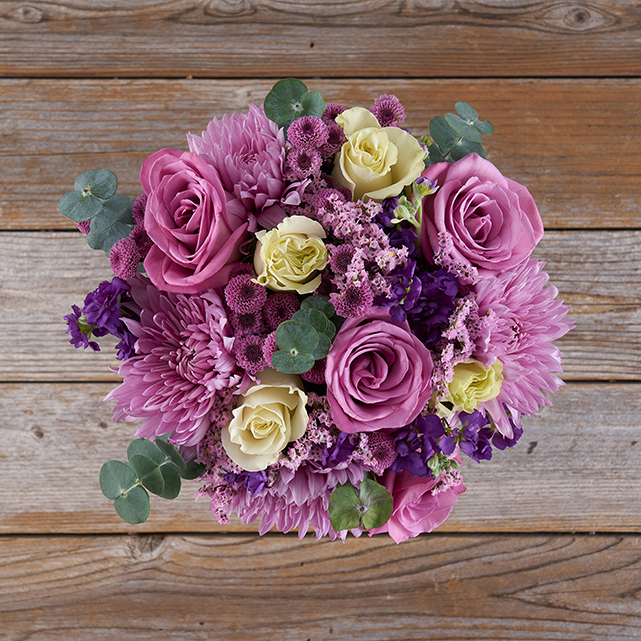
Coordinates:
355 119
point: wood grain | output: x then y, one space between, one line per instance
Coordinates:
231 588
43 274
267 38
575 469
572 142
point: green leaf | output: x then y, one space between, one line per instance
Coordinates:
78 207
171 477
324 345
102 183
435 155
116 479
344 512
377 502
149 473
171 451
463 127
134 506
442 134
465 147
296 338
289 100
312 317
144 447
321 303
192 470
106 239
288 363
485 127
113 210
466 111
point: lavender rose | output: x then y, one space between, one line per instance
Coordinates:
377 374
417 507
196 238
493 221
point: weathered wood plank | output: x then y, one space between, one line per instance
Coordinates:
572 142
575 470
534 588
43 274
269 38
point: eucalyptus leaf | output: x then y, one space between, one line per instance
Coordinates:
312 317
465 147
171 477
435 155
133 507
324 345
288 363
149 473
113 211
289 100
377 503
485 127
171 451
320 303
463 127
344 512
296 338
466 111
78 207
144 447
192 470
107 238
116 479
442 134
102 183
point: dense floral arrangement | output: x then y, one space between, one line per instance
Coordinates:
318 315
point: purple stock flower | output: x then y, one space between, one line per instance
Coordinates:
415 445
500 441
475 435
254 482
339 452
79 330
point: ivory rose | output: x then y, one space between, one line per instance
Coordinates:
196 239
377 374
291 256
376 162
417 508
492 221
473 384
272 414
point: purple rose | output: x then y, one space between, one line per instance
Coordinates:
377 374
417 508
196 239
493 221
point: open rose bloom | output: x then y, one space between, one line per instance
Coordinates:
324 316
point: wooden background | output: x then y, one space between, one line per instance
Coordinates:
545 543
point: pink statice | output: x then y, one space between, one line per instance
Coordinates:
526 317
183 360
248 152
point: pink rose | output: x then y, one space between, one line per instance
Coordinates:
196 239
493 221
416 508
377 374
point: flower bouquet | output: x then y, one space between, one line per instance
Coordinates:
319 315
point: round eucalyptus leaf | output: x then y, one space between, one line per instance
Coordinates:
466 111
116 478
102 183
463 127
171 477
377 503
465 147
442 134
312 317
149 473
287 363
296 338
344 504
320 303
134 506
113 210
324 345
107 238
485 127
78 207
313 104
192 470
171 451
144 447
284 103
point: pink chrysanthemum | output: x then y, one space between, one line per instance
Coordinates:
341 258
138 209
142 240
382 447
280 307
316 375
245 296
335 140
332 110
524 318
304 162
308 132
270 347
353 301
183 360
250 354
388 110
248 152
242 268
84 226
124 258
247 324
